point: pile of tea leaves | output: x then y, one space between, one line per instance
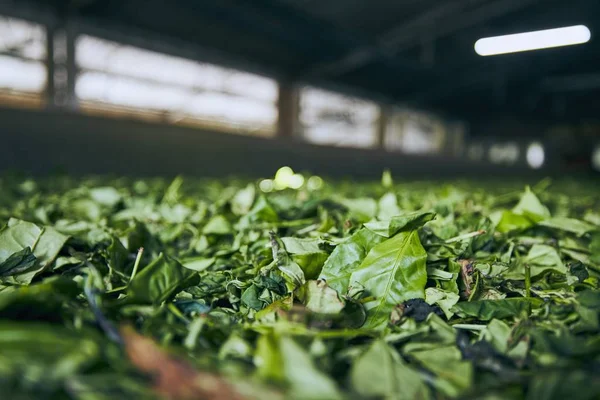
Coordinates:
236 289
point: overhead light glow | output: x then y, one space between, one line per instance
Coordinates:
535 40
535 155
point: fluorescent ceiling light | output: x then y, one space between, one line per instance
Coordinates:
536 40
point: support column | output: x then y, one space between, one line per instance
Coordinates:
72 102
49 93
288 107
454 138
61 66
382 124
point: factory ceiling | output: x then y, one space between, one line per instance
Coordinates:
413 52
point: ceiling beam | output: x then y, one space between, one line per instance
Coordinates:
436 23
571 83
365 54
478 11
40 13
323 33
518 70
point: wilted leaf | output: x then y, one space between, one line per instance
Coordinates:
322 299
172 378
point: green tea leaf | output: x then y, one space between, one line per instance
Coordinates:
486 310
45 243
217 225
380 372
160 280
393 271
347 257
388 206
59 353
569 225
307 254
405 222
198 264
322 299
242 202
18 262
444 299
531 207
453 376
540 259
282 359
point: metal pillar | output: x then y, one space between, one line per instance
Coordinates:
288 106
382 124
49 94
61 66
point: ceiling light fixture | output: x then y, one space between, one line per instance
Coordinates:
535 40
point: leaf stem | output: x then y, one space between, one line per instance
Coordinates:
465 236
37 239
527 280
138 258
367 299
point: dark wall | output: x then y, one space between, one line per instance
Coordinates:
41 141
568 143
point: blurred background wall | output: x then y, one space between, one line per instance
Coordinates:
94 86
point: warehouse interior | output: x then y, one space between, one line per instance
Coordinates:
299 199
232 87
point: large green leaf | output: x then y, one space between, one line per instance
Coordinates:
307 254
217 225
45 243
380 372
541 258
486 310
444 299
525 214
198 264
242 202
388 206
346 258
322 299
18 262
506 221
118 256
59 353
160 280
531 207
46 300
453 375
281 359
393 271
404 222
363 209
569 225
